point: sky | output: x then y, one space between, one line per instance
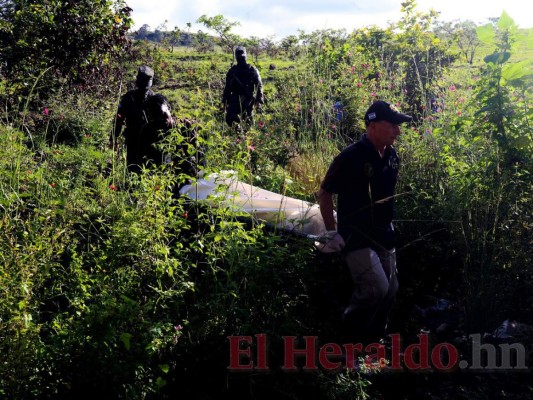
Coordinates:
280 18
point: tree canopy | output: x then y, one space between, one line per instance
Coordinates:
73 39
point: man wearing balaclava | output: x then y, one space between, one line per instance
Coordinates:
132 111
243 90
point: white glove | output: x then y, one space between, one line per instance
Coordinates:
334 243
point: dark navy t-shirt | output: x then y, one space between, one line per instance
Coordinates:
365 184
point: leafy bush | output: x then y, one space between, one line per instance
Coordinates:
115 287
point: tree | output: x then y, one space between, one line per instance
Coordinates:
72 40
143 31
223 27
463 33
253 46
419 53
269 46
374 42
290 46
503 87
174 38
161 34
467 39
203 42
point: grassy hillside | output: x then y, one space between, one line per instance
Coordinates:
113 287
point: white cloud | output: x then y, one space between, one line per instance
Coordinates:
284 17
480 11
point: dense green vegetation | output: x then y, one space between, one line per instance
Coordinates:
113 288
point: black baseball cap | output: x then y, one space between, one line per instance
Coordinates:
382 111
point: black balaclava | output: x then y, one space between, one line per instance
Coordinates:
240 55
145 76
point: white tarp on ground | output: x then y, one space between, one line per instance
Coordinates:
284 212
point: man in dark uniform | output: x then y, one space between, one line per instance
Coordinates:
243 90
132 111
160 121
186 156
364 177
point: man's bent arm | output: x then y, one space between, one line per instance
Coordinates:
325 201
259 95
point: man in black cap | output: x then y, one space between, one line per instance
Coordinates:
160 121
132 111
364 177
243 90
158 115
